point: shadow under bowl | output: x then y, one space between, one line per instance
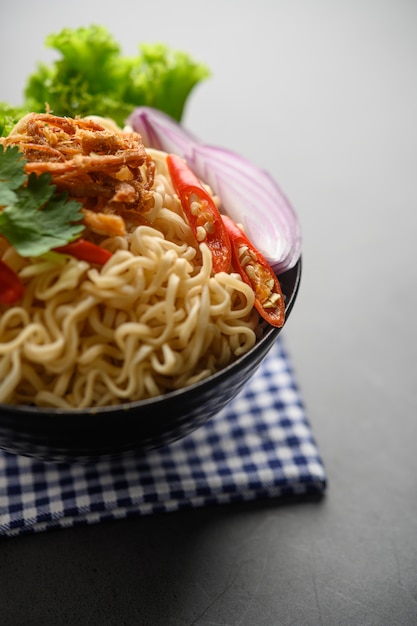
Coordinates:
62 435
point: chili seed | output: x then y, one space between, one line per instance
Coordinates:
201 233
272 300
195 208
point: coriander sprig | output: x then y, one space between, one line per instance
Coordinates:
34 217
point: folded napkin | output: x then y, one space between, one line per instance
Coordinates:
260 446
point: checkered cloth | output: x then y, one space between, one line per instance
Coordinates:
260 446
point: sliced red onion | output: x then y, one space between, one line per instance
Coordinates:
160 131
248 194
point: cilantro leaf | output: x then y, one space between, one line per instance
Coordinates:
34 217
12 175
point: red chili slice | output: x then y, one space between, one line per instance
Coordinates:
11 287
256 272
85 251
201 212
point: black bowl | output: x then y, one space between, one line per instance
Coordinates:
62 435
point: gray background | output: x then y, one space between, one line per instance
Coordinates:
323 94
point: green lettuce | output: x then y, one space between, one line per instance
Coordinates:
92 76
9 116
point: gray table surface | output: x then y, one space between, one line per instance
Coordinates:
323 94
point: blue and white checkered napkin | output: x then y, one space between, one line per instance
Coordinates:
260 446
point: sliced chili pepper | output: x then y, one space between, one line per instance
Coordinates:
201 212
85 251
256 272
11 287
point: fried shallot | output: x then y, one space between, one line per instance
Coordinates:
106 169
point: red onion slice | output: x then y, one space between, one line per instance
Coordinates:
160 131
248 194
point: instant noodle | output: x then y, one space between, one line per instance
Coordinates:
152 317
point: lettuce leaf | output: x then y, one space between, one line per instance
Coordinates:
92 76
9 116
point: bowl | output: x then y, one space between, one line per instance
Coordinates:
62 435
